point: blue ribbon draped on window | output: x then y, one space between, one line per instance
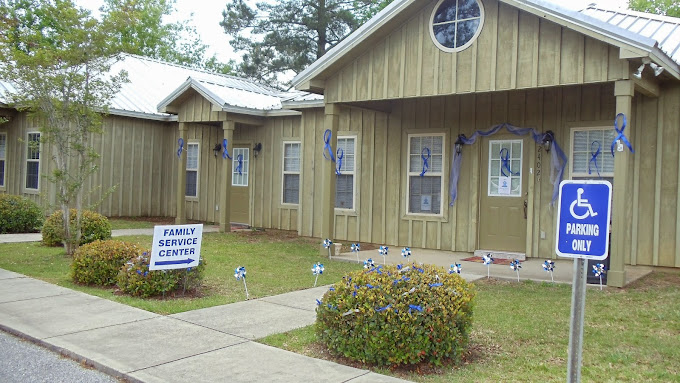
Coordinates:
620 135
239 167
225 154
327 135
593 159
340 154
558 160
180 142
505 160
426 155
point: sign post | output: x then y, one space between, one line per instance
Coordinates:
176 247
583 216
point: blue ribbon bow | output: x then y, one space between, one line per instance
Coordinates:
594 157
426 158
620 135
505 159
225 154
340 153
239 167
327 135
180 142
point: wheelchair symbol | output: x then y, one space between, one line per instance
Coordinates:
582 202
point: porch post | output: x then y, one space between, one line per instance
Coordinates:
620 235
181 217
225 191
327 168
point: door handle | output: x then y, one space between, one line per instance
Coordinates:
526 206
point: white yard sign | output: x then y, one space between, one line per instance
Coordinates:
176 247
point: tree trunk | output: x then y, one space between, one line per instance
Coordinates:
322 29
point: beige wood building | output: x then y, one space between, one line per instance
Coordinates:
395 96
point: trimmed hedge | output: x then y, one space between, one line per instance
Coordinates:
397 315
19 215
94 226
134 278
99 262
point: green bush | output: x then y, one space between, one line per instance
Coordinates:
99 262
134 278
19 215
396 315
94 226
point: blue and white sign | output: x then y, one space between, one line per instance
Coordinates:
176 247
583 215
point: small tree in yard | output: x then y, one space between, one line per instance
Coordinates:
58 57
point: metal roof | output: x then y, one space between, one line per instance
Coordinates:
663 29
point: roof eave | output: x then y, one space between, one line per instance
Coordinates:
190 83
142 115
308 104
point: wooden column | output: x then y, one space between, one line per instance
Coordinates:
181 217
225 191
620 235
327 169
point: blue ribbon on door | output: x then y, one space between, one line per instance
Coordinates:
505 163
620 135
239 167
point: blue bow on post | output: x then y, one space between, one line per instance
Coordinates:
593 159
340 154
426 155
620 135
180 142
327 135
225 154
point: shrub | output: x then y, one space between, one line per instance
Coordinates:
98 262
19 214
395 315
134 278
94 226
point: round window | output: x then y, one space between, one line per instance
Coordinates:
456 24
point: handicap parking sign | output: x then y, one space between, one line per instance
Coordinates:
583 215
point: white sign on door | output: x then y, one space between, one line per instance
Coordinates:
504 185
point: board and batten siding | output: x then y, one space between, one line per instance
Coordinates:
515 50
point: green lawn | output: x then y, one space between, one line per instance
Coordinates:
277 262
139 223
521 334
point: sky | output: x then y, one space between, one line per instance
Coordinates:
207 15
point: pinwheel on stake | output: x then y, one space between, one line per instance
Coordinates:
383 251
240 273
369 264
327 244
549 266
515 266
356 248
599 270
455 268
406 253
317 269
488 260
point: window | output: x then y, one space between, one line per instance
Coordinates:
456 24
585 143
33 161
291 172
425 189
192 170
505 168
239 166
344 183
3 157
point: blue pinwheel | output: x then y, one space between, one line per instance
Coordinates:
455 268
406 252
383 251
515 265
549 266
488 260
327 244
369 264
599 270
317 269
356 248
240 273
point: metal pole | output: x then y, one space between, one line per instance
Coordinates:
578 309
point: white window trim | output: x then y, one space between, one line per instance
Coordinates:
354 177
27 160
521 168
4 181
234 161
409 174
198 170
284 172
605 149
466 45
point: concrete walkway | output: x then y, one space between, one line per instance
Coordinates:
208 345
37 237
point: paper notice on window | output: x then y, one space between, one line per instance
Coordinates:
426 202
504 186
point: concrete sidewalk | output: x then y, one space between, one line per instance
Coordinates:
208 345
37 237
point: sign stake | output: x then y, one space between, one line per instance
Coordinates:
578 309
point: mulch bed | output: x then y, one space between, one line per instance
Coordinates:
496 261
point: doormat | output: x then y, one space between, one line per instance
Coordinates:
496 261
235 227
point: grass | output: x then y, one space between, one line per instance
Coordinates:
277 262
521 334
139 223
